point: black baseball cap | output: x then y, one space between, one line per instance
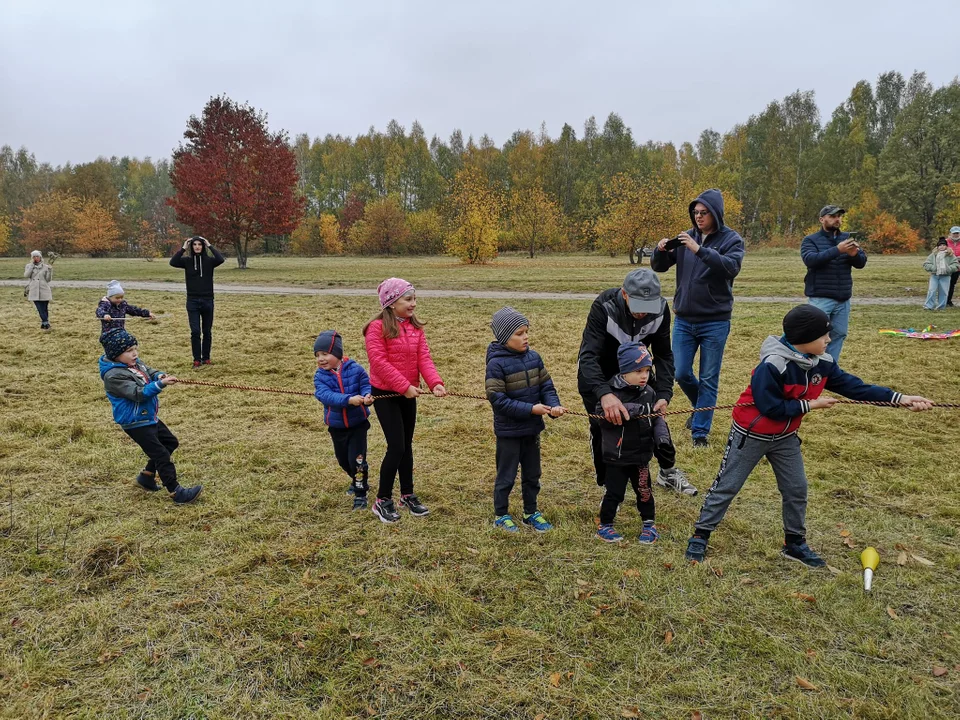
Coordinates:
831 210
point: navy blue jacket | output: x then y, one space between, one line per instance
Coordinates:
828 269
705 278
334 388
516 381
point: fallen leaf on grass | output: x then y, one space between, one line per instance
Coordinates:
142 697
892 614
631 572
361 611
370 711
555 679
718 571
844 533
630 712
496 649
371 662
540 716
668 637
354 636
473 551
848 541
16 622
806 684
582 583
668 566
747 581
600 610
811 653
899 546
834 570
804 597
923 560
902 558
939 671
696 715
108 655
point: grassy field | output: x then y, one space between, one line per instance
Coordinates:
768 273
268 598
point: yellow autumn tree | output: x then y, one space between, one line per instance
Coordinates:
639 213
50 223
426 233
476 218
949 214
4 234
330 235
97 232
535 219
317 236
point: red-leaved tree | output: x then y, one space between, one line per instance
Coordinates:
234 181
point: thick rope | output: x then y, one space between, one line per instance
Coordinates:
232 386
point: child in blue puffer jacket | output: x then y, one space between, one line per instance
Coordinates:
521 392
132 389
343 386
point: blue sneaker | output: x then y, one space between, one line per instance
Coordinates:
505 522
803 554
608 534
537 521
649 535
696 549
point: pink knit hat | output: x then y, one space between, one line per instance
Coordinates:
391 290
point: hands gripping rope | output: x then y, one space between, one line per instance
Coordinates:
467 396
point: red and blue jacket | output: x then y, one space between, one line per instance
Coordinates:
785 382
334 388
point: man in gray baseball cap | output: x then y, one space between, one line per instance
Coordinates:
635 312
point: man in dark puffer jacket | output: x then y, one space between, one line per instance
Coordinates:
829 256
521 392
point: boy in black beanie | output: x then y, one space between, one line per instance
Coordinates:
794 370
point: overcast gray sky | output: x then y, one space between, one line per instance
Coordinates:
79 79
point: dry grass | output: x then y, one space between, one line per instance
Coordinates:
768 273
268 598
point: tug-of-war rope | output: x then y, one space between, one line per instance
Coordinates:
282 391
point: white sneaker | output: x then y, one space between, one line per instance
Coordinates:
675 479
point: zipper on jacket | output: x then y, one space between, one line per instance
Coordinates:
342 392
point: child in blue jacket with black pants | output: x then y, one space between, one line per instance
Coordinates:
343 386
521 392
132 389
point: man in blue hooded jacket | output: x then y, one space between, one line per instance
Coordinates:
708 257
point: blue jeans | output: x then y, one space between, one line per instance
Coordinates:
709 338
939 285
41 306
839 313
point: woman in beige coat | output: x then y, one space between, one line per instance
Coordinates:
38 289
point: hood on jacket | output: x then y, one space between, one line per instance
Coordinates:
714 202
776 346
106 365
619 383
496 349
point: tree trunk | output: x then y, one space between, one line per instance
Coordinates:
533 247
239 246
632 257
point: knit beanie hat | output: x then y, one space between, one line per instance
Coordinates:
391 290
805 323
36 253
113 288
329 341
505 323
633 356
942 241
116 341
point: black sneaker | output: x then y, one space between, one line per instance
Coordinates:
183 495
803 554
359 503
412 503
384 509
701 442
147 481
696 549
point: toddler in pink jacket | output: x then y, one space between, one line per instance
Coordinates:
399 356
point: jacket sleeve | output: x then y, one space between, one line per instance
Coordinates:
425 365
588 360
767 386
103 308
662 351
377 354
859 260
726 261
327 395
177 259
548 393
137 311
28 270
218 258
813 258
661 432
850 386
662 260
153 373
930 264
121 384
496 387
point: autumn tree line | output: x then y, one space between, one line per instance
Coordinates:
890 153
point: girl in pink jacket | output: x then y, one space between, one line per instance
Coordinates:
399 356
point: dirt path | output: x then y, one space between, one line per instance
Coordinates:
177 287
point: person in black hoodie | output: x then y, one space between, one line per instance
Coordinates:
198 272
708 258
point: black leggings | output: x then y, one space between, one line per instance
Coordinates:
616 486
398 417
158 443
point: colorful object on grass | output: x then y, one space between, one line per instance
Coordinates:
869 558
928 333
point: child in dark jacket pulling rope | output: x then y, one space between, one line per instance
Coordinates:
521 392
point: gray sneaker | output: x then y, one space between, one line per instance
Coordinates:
675 479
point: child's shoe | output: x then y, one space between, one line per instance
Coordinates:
649 535
802 553
183 495
505 522
696 549
412 503
384 509
676 480
359 503
147 481
608 534
537 521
